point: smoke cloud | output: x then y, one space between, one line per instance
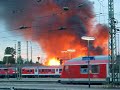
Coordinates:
78 21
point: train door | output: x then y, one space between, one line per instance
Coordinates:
36 71
56 71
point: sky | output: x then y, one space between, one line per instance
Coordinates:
11 13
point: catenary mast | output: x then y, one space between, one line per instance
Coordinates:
113 70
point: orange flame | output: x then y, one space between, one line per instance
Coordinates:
78 22
53 61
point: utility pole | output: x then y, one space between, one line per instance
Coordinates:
112 44
19 60
117 39
31 51
27 52
15 60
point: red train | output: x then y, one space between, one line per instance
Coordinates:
73 71
76 70
41 71
31 71
7 72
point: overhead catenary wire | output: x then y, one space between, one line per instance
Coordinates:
39 26
56 13
101 10
45 32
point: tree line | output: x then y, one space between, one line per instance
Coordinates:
12 58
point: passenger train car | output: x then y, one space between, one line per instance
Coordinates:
73 71
31 71
76 70
41 71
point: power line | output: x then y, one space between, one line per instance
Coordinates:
101 3
61 12
49 31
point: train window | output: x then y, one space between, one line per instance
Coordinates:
42 70
30 70
49 70
35 70
5 69
60 70
53 70
94 68
84 69
46 70
56 70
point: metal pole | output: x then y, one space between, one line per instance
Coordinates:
31 51
112 44
38 69
118 55
27 52
38 65
88 66
15 62
118 44
7 67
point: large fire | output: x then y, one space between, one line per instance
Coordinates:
53 61
79 21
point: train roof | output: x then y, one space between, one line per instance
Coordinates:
83 60
44 67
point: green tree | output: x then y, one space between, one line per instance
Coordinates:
20 60
1 62
31 62
9 59
36 62
28 62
